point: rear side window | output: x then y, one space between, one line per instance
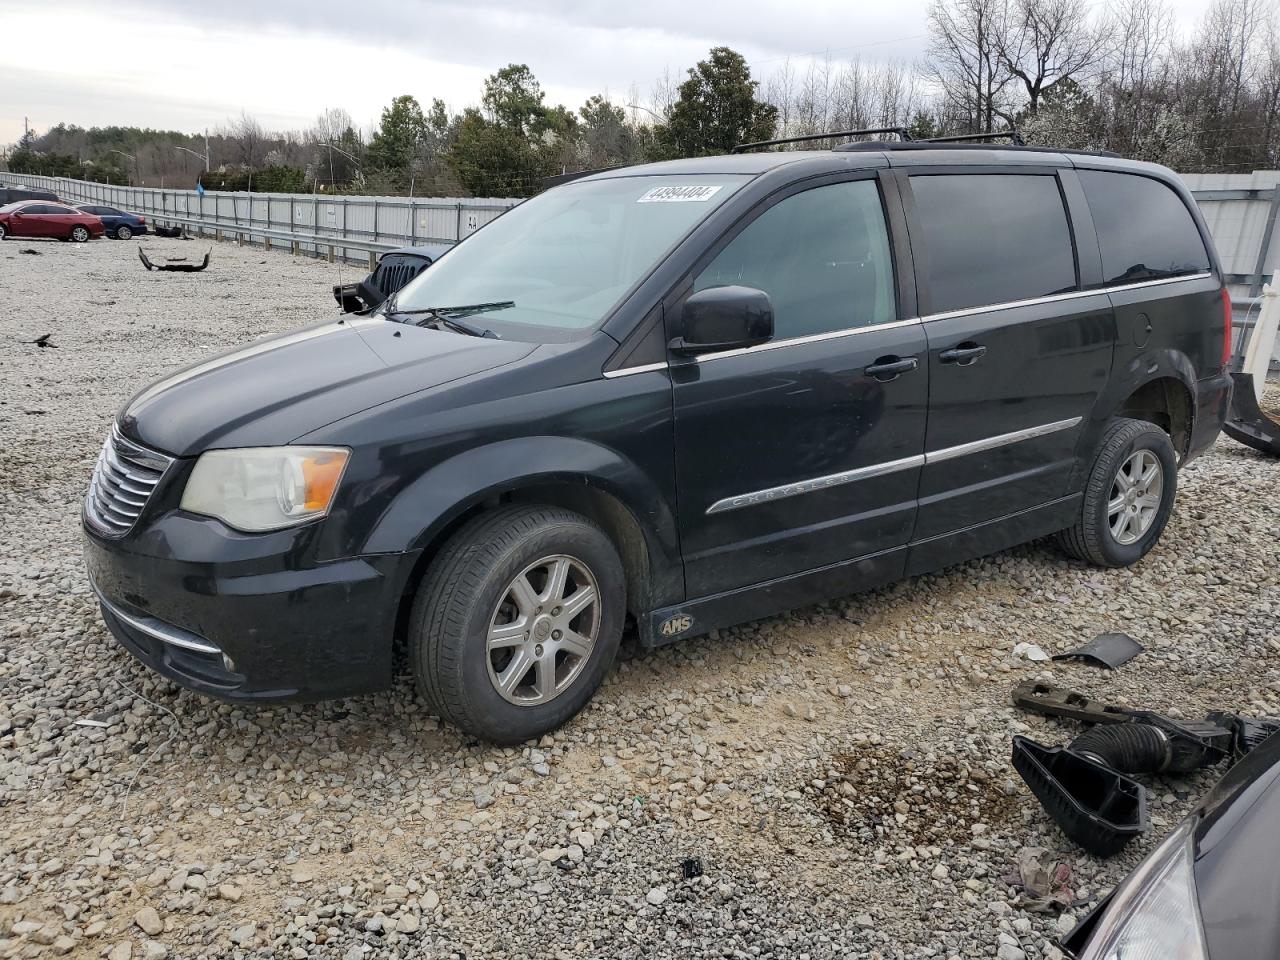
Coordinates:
994 238
821 255
1145 231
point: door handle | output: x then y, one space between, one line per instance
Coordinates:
890 368
964 354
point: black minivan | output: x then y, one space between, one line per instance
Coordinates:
678 396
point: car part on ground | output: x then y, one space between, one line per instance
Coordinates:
1083 786
395 269
172 233
174 265
1054 701
1109 650
1099 808
1249 422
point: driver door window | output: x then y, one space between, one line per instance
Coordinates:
822 256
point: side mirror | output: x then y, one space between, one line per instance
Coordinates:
724 318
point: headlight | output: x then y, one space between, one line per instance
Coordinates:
265 488
1154 914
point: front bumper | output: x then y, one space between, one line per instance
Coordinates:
248 618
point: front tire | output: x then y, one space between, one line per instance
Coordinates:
3 235
517 622
80 234
123 232
1128 497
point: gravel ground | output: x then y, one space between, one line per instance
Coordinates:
840 774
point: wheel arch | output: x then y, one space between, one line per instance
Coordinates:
576 474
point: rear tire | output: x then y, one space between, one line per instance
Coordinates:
1128 496
123 232
80 233
517 622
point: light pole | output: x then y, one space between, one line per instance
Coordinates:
198 156
636 106
129 156
329 144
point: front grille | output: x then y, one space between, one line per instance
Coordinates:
123 480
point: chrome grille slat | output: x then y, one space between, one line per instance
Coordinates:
123 480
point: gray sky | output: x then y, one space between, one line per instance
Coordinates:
188 66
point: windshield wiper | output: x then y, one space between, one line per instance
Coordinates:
452 316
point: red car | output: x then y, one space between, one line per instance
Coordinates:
43 218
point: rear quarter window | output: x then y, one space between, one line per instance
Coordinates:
1145 231
993 238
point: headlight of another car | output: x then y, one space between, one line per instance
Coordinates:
1153 914
265 488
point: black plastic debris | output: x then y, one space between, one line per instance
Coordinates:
1246 732
690 867
171 232
174 265
1054 701
1108 650
1097 807
1247 422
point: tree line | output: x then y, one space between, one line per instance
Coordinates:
1065 73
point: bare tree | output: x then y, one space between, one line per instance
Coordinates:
247 140
965 61
1046 42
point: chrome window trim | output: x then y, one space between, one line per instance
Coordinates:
1056 297
157 629
628 371
811 338
799 487
929 318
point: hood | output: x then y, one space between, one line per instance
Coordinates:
278 389
1237 849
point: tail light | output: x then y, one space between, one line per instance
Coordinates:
1226 326
142 219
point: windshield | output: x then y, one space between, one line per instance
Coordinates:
566 257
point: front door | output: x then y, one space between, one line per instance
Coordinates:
1018 353
805 451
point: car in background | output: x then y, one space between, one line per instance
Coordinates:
394 270
37 218
119 224
13 195
1208 892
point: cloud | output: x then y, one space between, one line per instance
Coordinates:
190 65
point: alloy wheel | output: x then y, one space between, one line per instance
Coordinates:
543 630
1135 497
123 233
79 234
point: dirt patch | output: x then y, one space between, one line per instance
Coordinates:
878 793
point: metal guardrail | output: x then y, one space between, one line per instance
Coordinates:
315 224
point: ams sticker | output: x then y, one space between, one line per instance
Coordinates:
676 625
677 194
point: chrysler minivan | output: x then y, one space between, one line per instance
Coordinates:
668 398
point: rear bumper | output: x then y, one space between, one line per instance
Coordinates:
248 628
1213 402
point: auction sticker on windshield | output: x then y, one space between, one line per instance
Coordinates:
678 194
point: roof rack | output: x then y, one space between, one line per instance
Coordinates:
744 147
1012 133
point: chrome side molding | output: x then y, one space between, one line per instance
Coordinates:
890 466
